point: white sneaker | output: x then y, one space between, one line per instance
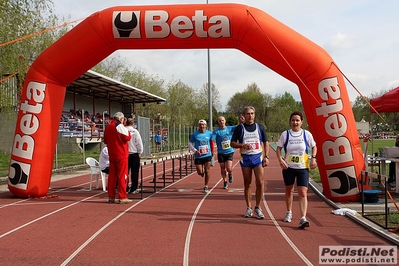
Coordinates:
288 217
259 213
248 213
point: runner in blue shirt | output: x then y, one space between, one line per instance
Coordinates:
222 136
201 144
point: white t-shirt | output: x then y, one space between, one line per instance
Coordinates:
295 155
135 143
253 139
103 161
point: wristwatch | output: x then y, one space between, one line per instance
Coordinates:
313 156
267 157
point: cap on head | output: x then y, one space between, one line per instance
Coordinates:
119 115
202 121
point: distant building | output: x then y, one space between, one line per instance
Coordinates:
363 127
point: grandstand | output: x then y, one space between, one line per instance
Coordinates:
89 101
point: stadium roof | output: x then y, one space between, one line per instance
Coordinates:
99 86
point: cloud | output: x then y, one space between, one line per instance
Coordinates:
361 37
339 44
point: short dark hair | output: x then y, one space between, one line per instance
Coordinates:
129 122
296 113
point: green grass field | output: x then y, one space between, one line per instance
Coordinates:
378 143
63 160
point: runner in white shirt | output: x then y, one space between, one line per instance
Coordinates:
298 144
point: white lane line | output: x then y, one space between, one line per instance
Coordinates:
73 255
105 226
51 191
209 221
14 203
55 211
190 227
295 248
44 216
284 235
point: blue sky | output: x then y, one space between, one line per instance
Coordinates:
361 36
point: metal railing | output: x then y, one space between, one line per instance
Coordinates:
372 207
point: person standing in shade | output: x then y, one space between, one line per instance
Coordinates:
251 139
222 136
201 144
135 151
297 144
116 137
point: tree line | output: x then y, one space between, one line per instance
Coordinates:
184 105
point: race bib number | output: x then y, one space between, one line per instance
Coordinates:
254 144
302 159
203 149
225 144
296 159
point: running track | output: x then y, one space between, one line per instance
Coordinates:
178 225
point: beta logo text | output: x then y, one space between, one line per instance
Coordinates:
24 143
337 148
158 24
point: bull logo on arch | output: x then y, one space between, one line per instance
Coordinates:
237 26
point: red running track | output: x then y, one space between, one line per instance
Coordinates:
177 225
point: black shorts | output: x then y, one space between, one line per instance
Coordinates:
225 157
106 170
202 160
301 175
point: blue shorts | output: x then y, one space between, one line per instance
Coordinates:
301 175
251 161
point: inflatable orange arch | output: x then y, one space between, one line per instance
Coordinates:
250 30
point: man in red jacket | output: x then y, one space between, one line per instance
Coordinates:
116 137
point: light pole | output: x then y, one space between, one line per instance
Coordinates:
210 94
209 89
